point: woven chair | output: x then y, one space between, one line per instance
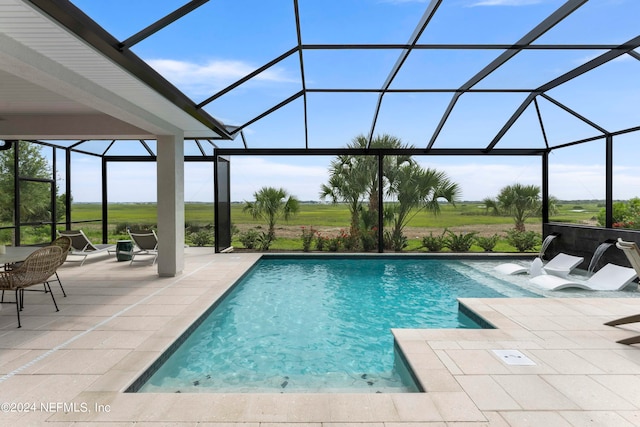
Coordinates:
37 268
64 242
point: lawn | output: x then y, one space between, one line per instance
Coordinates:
328 218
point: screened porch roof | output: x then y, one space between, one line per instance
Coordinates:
482 75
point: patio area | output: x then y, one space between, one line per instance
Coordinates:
72 367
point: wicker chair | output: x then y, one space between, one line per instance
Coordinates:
64 242
36 269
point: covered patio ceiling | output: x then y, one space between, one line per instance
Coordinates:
520 76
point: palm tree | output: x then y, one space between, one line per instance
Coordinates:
416 189
354 178
519 201
348 181
370 163
270 205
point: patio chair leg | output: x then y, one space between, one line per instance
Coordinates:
52 297
64 294
623 320
18 307
21 299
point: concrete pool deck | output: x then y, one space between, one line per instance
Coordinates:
71 367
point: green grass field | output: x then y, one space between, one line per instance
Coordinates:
465 213
327 216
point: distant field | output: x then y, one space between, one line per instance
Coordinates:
465 213
464 217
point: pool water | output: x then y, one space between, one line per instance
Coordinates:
321 324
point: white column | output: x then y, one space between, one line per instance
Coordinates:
170 173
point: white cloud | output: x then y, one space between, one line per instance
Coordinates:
480 180
303 178
208 78
249 174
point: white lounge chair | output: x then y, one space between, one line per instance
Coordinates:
632 252
81 246
561 265
146 243
611 277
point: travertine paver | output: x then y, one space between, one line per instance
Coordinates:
118 319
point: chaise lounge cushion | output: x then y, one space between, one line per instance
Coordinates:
561 265
611 277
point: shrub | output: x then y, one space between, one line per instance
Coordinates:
459 242
122 227
625 214
333 244
307 238
434 243
321 242
201 238
369 239
249 238
395 241
348 241
487 243
6 237
264 240
523 241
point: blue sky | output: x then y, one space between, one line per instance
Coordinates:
224 40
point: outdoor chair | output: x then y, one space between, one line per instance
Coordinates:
82 246
146 243
632 252
560 265
611 277
37 268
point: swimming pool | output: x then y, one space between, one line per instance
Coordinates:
307 324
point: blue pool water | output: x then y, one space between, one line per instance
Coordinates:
321 324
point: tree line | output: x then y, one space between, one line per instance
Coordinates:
409 189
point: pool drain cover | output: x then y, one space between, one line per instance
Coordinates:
513 357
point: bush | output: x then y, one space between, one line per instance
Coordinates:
201 238
307 238
395 241
399 241
369 240
349 242
523 241
487 243
122 227
333 244
434 243
321 242
625 214
459 242
249 238
264 241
